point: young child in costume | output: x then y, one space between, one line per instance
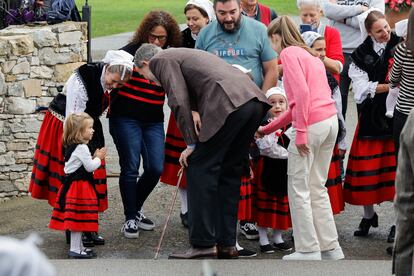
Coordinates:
77 204
272 206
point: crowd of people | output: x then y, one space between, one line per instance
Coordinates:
258 124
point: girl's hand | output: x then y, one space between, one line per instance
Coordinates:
100 153
303 149
259 133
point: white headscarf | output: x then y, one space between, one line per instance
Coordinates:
401 27
23 258
206 5
309 37
275 91
119 57
361 21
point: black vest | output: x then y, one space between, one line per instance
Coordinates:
373 124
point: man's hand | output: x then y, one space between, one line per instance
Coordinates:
197 121
184 155
303 149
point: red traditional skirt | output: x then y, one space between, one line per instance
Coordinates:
247 195
174 145
99 177
270 210
370 174
80 212
334 183
47 172
49 161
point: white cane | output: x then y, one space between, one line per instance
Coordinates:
180 174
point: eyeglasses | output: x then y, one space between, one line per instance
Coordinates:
161 38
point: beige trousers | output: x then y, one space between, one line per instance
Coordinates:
312 219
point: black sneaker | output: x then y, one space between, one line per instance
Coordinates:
245 253
391 235
82 255
130 229
283 246
144 223
267 248
249 230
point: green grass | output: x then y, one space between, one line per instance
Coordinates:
112 17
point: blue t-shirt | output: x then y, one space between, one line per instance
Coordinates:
248 47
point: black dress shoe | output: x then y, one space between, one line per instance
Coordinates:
391 235
195 253
184 219
82 255
90 239
227 252
365 224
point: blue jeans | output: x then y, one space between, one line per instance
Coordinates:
133 139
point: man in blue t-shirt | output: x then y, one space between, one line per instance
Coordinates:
240 40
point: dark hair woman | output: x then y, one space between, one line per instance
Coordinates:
136 123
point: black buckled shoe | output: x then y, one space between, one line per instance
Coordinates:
90 239
365 225
391 235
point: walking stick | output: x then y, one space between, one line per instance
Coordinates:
180 174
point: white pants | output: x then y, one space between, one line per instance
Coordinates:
312 219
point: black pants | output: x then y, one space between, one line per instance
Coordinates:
398 124
345 82
213 177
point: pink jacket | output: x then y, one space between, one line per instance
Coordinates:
307 91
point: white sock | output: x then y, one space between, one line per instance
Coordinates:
369 211
277 236
238 247
263 239
183 196
76 242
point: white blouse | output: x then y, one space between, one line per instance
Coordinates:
81 156
76 94
361 85
269 147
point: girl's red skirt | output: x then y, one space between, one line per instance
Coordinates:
334 183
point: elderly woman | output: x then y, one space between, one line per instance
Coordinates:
312 113
371 167
310 12
84 91
136 123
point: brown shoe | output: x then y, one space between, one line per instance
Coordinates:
227 252
195 252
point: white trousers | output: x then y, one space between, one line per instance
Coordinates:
312 218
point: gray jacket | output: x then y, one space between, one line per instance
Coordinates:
200 81
404 201
343 16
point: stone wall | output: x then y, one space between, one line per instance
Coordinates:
35 63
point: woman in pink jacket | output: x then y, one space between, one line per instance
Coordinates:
315 125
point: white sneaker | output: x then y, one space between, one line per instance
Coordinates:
333 255
303 256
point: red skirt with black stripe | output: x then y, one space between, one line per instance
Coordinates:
334 183
49 161
270 211
247 197
47 172
174 145
370 174
99 177
80 213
